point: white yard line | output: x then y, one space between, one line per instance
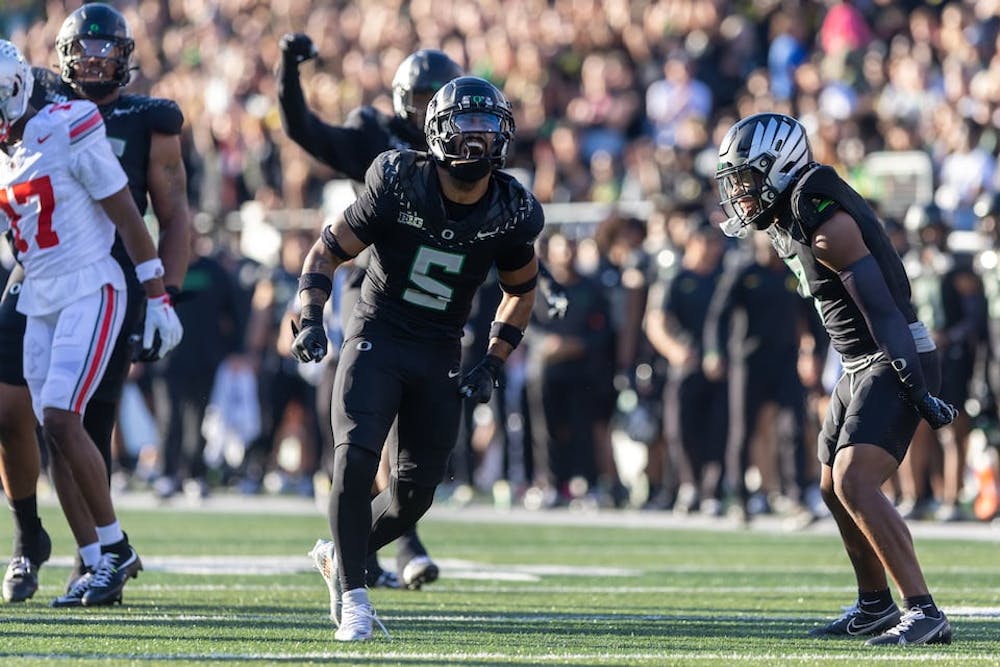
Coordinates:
664 657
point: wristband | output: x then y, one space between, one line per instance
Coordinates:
316 280
311 314
151 269
508 333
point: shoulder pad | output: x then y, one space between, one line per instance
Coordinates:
817 195
49 88
160 115
80 118
518 209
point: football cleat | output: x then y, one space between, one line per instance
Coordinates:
74 591
381 579
915 628
324 559
358 618
109 578
419 571
857 623
20 581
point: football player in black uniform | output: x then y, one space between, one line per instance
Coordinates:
833 242
351 149
94 46
436 224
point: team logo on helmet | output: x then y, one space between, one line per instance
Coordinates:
759 158
95 47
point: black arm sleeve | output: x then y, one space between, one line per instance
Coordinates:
864 281
343 148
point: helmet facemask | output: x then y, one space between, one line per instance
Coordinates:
759 159
746 199
95 48
469 128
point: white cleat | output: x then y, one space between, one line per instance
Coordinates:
325 561
419 571
358 618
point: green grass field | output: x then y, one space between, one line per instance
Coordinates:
237 588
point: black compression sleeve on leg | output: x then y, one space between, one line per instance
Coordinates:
349 510
864 281
99 422
396 509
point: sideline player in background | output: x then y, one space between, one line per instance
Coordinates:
437 224
94 47
63 195
833 242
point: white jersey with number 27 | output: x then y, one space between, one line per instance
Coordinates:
50 185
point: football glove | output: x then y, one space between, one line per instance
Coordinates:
479 382
310 341
938 413
162 330
297 47
154 353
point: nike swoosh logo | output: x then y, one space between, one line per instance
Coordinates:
453 374
42 140
855 628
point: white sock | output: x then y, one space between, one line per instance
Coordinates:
90 554
355 597
110 533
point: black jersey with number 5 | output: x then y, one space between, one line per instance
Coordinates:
425 268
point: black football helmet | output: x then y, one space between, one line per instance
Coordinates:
90 37
421 72
759 158
470 125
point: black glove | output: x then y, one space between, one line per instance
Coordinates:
937 412
297 47
478 383
310 342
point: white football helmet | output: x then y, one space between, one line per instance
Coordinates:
16 82
760 157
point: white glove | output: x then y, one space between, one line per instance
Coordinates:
162 323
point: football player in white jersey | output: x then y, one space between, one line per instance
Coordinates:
63 194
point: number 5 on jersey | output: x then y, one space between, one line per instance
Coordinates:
433 293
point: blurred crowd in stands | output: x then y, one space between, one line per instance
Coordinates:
680 350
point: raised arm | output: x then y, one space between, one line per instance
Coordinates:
349 150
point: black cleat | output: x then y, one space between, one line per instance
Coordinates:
20 581
857 623
915 628
74 591
110 577
419 571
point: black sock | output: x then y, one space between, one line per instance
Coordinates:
875 602
27 525
926 604
121 548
